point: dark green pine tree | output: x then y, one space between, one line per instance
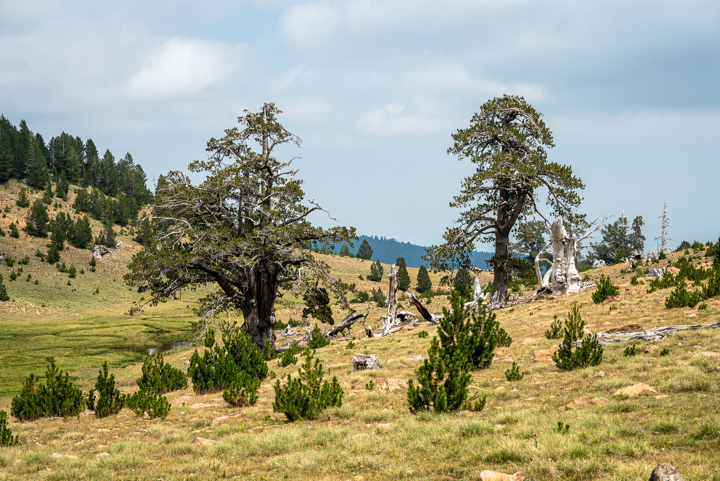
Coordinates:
81 233
365 251
61 227
8 134
37 221
403 278
62 186
23 200
463 283
53 255
3 291
376 271
344 251
37 171
423 280
109 401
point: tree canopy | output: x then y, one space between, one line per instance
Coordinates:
365 251
507 141
241 230
619 239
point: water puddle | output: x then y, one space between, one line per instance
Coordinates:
169 346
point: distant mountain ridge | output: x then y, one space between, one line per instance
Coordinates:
388 250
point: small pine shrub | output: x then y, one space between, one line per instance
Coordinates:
350 345
605 289
148 401
53 255
109 401
588 353
443 381
6 435
555 331
92 262
14 231
243 391
9 261
160 377
222 366
378 297
680 297
290 355
423 334
562 428
664 351
306 396
72 272
370 385
514 374
3 291
631 350
317 339
58 396
13 275
24 261
662 256
2 232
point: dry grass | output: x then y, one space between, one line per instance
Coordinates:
372 434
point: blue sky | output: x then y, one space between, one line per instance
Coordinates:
375 89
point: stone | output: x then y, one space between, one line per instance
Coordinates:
545 354
600 374
202 442
665 472
67 456
586 402
662 396
365 362
636 390
707 354
650 348
394 385
489 475
202 405
103 454
657 272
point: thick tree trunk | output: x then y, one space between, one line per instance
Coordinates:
565 276
259 309
501 278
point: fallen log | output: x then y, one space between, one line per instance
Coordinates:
345 324
421 309
655 334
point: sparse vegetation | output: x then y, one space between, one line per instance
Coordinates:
604 290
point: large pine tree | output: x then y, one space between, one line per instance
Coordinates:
403 278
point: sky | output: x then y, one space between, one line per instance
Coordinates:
630 90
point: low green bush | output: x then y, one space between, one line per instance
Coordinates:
317 339
604 290
306 396
160 377
148 401
588 353
556 330
57 397
290 355
6 435
109 401
514 374
631 350
680 297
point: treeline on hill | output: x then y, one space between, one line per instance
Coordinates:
66 160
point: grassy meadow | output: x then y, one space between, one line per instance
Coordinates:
372 436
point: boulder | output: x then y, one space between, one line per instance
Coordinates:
586 402
489 475
394 385
365 362
650 348
636 390
665 472
202 442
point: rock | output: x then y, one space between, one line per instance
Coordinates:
650 348
707 354
103 454
665 472
202 405
657 272
586 402
489 475
202 442
625 328
662 396
363 362
636 390
394 385
58 456
600 374
545 354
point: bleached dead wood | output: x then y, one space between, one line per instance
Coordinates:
391 303
655 334
421 309
345 324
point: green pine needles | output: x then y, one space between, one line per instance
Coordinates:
306 396
160 377
6 435
556 329
237 367
588 353
605 289
147 401
109 401
317 339
514 374
57 397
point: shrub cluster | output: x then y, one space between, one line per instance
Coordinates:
58 396
306 396
317 339
514 374
605 289
290 355
238 366
147 401
556 330
160 377
588 353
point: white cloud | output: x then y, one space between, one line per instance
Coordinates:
391 119
183 67
310 24
306 109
